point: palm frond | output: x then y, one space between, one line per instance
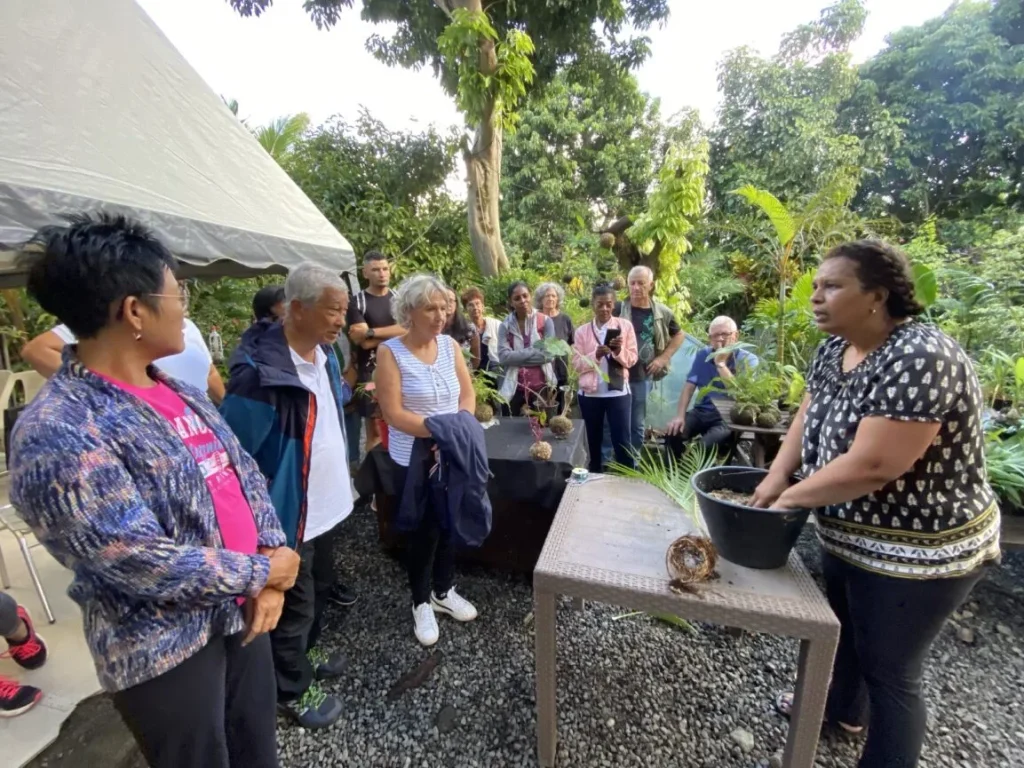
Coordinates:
670 475
772 207
280 135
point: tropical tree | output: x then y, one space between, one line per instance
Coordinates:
659 235
795 233
956 84
584 154
784 122
488 59
385 190
279 136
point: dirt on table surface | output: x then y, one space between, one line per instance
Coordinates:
733 496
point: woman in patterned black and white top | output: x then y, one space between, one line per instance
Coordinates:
891 443
420 374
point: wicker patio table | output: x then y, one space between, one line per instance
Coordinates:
608 543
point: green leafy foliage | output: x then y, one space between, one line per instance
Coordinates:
1004 461
769 205
491 94
385 190
785 122
799 332
819 222
662 232
955 84
672 476
585 152
279 136
926 284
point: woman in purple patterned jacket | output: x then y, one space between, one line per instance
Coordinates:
134 482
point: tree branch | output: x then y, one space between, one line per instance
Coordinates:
618 226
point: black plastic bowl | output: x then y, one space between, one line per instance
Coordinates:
754 538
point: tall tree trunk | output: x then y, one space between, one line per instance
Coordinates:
483 167
483 176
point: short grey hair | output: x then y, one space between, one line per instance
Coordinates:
414 292
639 270
307 283
723 321
542 291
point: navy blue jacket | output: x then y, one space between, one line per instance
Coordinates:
273 416
459 487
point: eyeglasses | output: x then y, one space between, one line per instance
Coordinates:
181 296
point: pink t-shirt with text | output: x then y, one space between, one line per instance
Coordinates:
234 515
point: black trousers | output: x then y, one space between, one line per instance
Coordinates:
214 710
887 627
709 427
298 630
616 410
429 552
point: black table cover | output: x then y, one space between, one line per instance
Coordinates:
524 493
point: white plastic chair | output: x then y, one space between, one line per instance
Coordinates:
11 521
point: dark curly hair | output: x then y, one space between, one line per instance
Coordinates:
78 271
880 265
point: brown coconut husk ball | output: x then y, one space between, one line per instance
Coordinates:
691 559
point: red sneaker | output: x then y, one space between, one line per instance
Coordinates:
30 653
15 698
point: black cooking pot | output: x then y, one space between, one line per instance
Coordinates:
747 536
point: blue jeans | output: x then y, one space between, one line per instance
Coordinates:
613 412
353 428
639 391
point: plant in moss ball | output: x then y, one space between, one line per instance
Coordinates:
560 424
540 450
487 395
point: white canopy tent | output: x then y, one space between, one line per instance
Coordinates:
99 111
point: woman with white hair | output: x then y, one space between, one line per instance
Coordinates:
419 375
548 300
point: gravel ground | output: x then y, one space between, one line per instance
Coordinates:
631 691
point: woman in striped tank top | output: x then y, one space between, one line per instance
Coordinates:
422 374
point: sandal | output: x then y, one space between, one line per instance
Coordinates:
784 706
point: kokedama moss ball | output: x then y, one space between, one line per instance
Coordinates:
619 283
768 418
744 414
484 413
607 240
560 426
540 451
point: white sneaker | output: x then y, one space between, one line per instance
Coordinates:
455 605
426 630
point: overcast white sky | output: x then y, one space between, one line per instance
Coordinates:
280 63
